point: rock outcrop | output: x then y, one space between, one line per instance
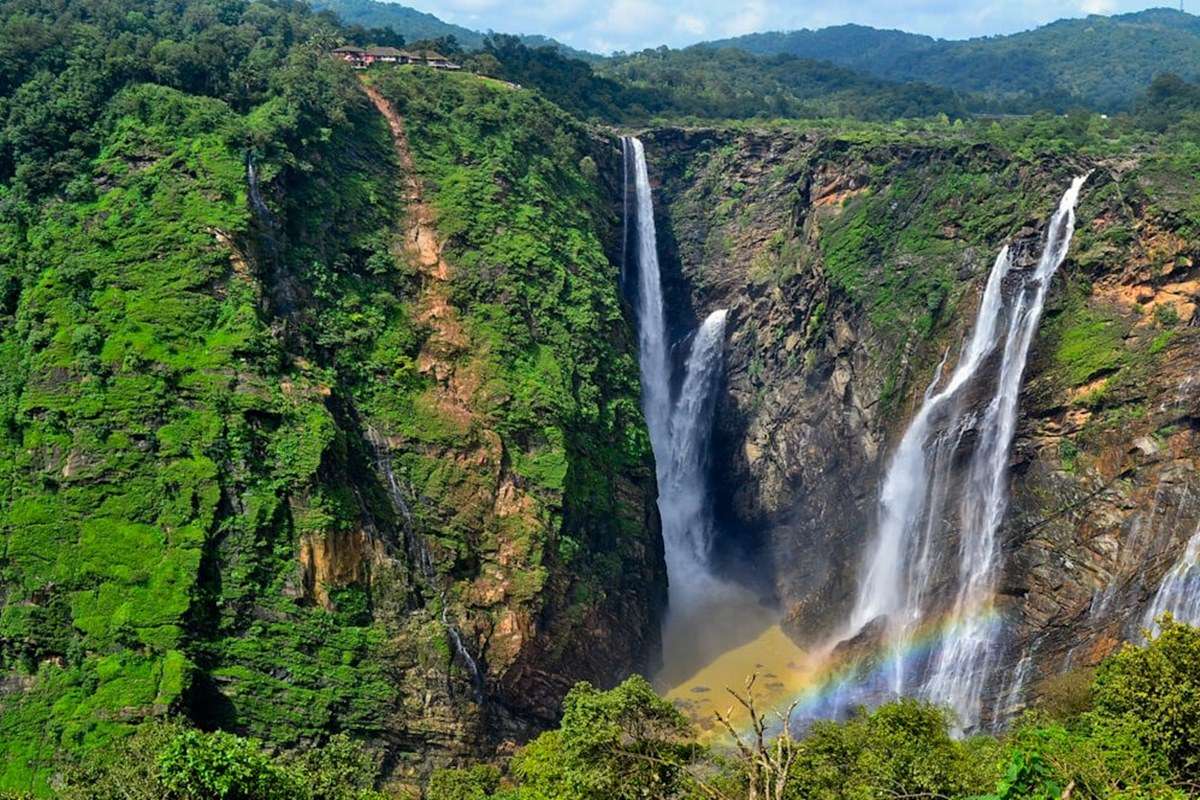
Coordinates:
851 266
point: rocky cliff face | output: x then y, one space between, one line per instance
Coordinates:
345 438
851 264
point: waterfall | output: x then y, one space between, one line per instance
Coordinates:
884 589
679 432
652 329
1179 592
912 580
418 552
255 192
683 493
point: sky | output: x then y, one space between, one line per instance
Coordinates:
606 25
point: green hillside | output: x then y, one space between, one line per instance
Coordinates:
1103 62
415 25
728 83
239 486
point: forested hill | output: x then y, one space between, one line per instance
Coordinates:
1101 62
414 25
731 84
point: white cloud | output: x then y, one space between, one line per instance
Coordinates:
752 17
691 25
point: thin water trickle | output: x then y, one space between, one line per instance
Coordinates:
1179 592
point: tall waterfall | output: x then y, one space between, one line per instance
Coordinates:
652 328
912 579
1179 592
683 492
679 432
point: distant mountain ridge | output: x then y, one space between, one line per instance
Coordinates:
1103 62
415 25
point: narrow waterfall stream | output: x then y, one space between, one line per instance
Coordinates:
683 498
902 597
1179 592
679 430
714 631
653 355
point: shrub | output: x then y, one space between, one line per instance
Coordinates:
902 749
127 768
1159 685
1067 695
622 744
221 766
476 783
1166 315
166 761
342 769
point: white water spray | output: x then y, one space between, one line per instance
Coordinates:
652 329
905 575
683 496
1179 592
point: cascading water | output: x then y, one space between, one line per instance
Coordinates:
706 615
652 328
255 192
683 492
679 433
419 553
1179 592
907 565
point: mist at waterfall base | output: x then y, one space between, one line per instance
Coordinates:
945 646
707 617
924 622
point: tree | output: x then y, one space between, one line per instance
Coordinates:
901 749
221 766
623 744
767 762
476 783
1159 684
1167 100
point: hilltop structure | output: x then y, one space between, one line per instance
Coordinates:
363 57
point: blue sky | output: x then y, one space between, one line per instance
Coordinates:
606 25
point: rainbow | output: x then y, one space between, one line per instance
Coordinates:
831 687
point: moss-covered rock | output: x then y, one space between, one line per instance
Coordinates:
262 467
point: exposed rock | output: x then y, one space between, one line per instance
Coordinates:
827 364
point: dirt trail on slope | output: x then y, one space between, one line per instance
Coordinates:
459 367
421 247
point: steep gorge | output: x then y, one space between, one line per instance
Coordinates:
350 437
851 266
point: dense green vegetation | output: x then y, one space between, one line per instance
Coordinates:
1067 62
848 71
705 83
416 25
198 368
141 386
731 84
1126 730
